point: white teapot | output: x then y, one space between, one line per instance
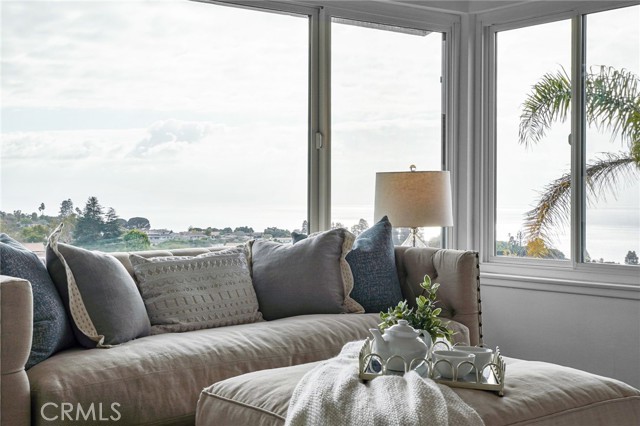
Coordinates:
400 339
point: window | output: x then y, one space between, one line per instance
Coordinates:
386 114
177 120
537 96
613 178
526 162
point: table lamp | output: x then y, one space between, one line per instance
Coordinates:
414 200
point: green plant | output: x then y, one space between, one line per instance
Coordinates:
423 317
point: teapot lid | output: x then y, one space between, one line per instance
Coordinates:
403 329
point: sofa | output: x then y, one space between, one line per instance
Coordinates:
157 379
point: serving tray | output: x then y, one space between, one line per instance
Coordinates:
491 377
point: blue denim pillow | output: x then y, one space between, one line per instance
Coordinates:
51 326
373 264
296 237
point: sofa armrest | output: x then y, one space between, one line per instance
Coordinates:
458 273
16 330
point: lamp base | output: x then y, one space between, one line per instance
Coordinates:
413 240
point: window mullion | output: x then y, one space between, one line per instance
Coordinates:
324 123
578 130
319 167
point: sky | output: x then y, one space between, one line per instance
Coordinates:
193 114
173 112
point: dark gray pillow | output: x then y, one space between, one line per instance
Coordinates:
51 326
373 263
99 294
310 277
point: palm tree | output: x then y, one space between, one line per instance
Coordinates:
612 104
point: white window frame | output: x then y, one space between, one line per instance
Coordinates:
447 24
574 275
319 140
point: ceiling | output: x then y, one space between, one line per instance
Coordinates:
455 6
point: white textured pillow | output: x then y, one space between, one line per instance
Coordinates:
192 293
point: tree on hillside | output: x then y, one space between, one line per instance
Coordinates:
136 240
359 227
631 258
35 234
138 223
90 223
111 228
612 103
276 232
41 209
66 208
245 229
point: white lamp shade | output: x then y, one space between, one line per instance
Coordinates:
414 199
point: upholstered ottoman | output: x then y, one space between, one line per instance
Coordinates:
536 393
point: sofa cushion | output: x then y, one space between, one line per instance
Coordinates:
157 379
310 277
51 326
184 293
373 263
98 293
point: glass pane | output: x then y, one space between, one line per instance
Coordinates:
386 106
189 115
533 154
613 85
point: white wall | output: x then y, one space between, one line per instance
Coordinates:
592 333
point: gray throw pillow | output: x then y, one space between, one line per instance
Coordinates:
183 293
309 277
373 264
51 326
99 294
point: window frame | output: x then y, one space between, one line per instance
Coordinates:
541 272
319 140
436 22
447 112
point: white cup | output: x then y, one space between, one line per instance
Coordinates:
453 360
484 356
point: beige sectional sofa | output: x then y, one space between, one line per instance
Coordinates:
156 380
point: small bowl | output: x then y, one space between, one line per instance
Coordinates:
447 362
484 356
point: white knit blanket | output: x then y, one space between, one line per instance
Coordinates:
333 394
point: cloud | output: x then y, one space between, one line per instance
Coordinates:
172 135
65 145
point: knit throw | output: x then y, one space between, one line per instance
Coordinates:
333 394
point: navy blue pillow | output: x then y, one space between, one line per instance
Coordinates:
51 326
296 237
373 264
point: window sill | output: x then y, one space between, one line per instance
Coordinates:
619 281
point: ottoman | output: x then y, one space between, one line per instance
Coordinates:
535 393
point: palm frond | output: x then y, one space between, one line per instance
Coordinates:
612 99
553 208
548 101
613 103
